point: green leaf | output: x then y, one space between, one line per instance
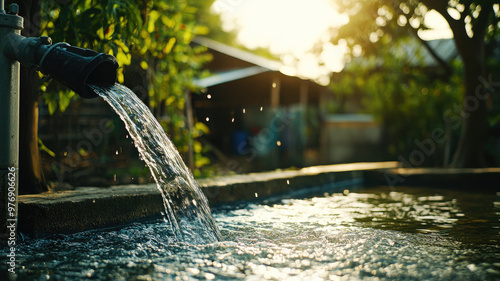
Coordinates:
160 45
65 99
51 103
45 148
170 45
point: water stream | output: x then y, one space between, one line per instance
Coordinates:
186 208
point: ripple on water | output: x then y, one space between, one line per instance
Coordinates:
379 234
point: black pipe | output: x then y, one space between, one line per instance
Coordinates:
75 67
78 68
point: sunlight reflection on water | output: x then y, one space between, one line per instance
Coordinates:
373 234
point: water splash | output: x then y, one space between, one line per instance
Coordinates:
186 207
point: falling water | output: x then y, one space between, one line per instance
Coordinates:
186 208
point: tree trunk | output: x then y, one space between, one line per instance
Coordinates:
474 134
31 178
473 137
471 47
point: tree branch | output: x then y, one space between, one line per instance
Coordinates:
466 11
441 6
446 67
479 28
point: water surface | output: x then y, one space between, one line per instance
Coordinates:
369 234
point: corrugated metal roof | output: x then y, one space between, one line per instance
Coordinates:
415 52
239 54
227 76
444 48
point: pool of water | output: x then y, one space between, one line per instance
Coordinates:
368 234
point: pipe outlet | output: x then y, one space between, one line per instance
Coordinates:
77 68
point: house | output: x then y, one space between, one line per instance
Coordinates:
257 115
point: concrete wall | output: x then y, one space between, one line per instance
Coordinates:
351 138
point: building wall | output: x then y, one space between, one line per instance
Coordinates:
351 138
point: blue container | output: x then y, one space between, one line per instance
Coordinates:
240 142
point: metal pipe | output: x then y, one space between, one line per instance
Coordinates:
10 24
75 67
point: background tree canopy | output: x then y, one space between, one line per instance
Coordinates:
374 29
150 39
154 35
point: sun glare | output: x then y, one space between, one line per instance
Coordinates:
284 27
290 28
439 28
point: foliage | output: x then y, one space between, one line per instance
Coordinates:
373 21
375 25
401 95
172 64
104 26
154 34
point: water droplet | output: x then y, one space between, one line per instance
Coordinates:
207 119
114 177
261 108
256 195
288 182
209 96
232 120
278 143
244 110
116 152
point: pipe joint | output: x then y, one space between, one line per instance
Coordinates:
11 19
13 9
28 51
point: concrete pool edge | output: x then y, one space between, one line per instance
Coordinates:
92 208
471 179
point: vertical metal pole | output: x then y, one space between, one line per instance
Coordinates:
9 125
275 91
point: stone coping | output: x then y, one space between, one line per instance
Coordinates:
88 208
